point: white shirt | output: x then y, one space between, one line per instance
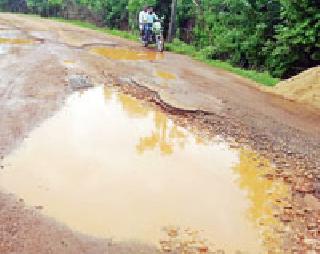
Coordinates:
143 17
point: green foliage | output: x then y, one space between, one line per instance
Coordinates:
297 38
3 5
277 36
45 7
183 48
13 5
134 7
115 32
260 77
237 31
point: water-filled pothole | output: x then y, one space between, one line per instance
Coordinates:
9 39
126 54
15 41
165 75
109 166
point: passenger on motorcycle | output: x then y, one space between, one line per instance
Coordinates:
151 17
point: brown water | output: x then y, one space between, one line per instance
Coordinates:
11 38
108 166
126 54
15 41
165 75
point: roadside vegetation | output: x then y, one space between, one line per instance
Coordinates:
180 47
262 40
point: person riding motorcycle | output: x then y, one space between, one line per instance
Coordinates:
151 17
151 29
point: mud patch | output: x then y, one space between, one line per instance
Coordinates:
99 44
297 171
69 62
11 38
165 75
130 161
304 88
15 41
125 54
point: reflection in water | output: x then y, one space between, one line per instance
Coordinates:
125 54
131 106
165 136
113 167
265 195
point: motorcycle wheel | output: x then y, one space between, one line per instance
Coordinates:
160 45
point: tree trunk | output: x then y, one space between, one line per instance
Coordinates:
173 21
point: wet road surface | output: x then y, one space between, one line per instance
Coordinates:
87 169
202 161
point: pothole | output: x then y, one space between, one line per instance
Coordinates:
15 41
110 166
126 54
165 75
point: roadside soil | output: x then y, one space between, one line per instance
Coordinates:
304 87
35 79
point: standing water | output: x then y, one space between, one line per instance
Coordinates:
108 166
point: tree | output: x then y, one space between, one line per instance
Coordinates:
278 36
173 21
3 5
13 5
297 39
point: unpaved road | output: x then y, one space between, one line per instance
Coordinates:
53 59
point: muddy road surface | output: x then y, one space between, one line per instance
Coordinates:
107 147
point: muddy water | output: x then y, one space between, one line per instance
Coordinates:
15 41
125 54
13 37
109 166
165 75
9 38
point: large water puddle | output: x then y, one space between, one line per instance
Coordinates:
108 166
126 54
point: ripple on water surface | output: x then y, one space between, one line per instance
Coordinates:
109 166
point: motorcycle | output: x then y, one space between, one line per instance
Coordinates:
154 35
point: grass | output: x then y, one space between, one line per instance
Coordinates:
84 24
263 78
177 46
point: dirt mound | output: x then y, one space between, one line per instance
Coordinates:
304 87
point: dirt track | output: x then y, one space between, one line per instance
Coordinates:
37 77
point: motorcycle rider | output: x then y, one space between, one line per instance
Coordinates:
143 20
151 17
